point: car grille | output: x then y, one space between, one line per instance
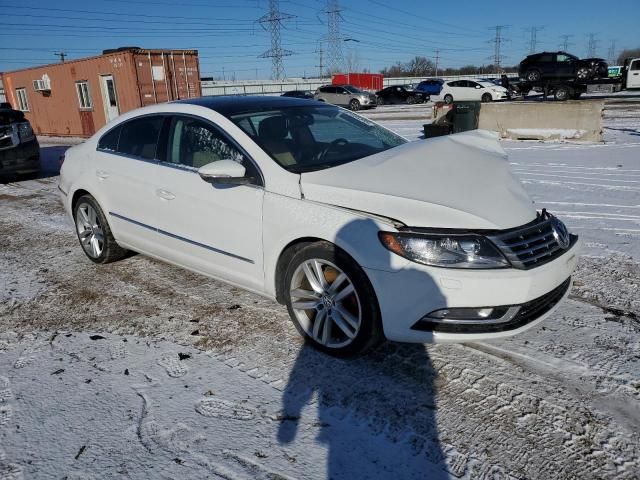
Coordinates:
527 313
531 245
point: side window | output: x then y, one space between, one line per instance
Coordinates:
563 58
194 143
471 84
458 83
546 58
635 65
140 137
109 141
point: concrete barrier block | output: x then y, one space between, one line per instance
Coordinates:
575 120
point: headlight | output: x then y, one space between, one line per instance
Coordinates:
442 250
25 132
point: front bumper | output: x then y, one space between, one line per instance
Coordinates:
407 295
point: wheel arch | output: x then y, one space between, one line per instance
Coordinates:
76 196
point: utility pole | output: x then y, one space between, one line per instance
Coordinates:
62 56
612 53
320 65
497 41
437 61
533 38
565 42
593 44
335 56
272 22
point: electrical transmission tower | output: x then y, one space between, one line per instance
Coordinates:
612 53
565 42
593 44
533 38
335 58
272 22
497 41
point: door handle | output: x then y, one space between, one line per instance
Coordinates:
102 174
165 194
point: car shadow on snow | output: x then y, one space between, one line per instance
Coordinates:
49 165
377 412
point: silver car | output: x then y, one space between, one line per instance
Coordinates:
346 96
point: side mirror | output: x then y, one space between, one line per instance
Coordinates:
478 86
224 172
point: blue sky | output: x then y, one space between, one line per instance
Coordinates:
230 40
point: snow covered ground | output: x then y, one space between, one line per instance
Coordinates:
142 370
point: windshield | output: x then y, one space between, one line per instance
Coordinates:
311 138
351 89
486 83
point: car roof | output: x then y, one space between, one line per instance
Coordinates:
234 104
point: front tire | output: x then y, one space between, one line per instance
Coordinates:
354 105
331 301
448 99
411 100
486 98
94 233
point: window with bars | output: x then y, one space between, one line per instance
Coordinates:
84 96
23 104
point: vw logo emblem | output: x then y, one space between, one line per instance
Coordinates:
560 233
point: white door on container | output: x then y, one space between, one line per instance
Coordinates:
633 78
109 97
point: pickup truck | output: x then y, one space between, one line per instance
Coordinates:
19 148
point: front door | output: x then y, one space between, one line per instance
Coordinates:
109 97
633 77
213 229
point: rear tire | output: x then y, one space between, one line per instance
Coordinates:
533 75
94 233
354 105
338 323
448 99
380 101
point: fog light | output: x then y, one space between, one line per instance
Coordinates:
469 314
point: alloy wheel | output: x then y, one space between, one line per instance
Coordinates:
89 230
325 303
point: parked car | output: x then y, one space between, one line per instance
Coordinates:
327 212
399 94
459 90
431 86
561 65
19 148
346 96
299 94
5 105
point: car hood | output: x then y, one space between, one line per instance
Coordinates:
457 181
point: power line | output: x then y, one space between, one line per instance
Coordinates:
335 58
611 56
565 42
497 41
592 45
533 38
272 22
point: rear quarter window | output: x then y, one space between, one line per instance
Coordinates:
109 141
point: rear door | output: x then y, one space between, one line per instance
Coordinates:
633 77
213 229
340 97
474 90
125 172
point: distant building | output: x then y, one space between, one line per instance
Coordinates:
78 97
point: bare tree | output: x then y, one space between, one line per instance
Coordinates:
420 67
352 61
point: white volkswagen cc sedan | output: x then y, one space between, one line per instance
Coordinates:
360 233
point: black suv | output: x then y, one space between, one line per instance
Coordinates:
19 148
561 65
399 94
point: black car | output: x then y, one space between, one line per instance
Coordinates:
561 65
19 148
299 94
399 94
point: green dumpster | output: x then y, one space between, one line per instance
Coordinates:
465 116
